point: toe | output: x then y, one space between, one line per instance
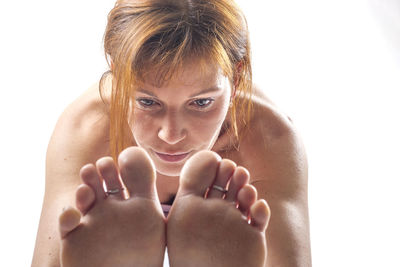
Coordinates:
260 214
109 173
225 171
85 198
240 177
138 172
90 177
198 173
68 220
247 195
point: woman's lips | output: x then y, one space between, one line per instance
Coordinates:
172 158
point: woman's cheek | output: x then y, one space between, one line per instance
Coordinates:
208 123
142 126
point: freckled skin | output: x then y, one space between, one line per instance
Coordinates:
175 122
179 116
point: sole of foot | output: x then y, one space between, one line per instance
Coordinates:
210 225
121 226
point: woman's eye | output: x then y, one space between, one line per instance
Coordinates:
204 102
146 103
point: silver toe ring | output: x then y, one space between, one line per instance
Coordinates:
114 191
219 188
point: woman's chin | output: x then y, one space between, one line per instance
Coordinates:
168 168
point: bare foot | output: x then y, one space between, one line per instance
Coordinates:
112 230
207 227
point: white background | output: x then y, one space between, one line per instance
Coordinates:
332 66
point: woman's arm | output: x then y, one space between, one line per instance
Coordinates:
80 137
276 159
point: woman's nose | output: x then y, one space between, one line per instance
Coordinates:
172 131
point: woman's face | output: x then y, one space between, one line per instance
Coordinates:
182 117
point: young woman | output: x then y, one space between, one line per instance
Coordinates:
189 152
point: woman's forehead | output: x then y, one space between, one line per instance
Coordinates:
189 74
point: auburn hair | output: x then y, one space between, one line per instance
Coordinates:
162 35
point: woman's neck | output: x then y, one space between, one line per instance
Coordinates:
167 186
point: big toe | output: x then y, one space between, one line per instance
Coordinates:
198 173
138 172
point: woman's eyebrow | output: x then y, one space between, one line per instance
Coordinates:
208 90
140 90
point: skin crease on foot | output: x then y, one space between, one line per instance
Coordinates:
209 228
206 227
134 225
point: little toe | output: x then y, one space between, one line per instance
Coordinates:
108 171
198 173
240 177
84 198
138 173
91 177
247 195
69 219
225 170
260 214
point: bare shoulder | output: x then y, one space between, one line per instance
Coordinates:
80 136
271 147
273 152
